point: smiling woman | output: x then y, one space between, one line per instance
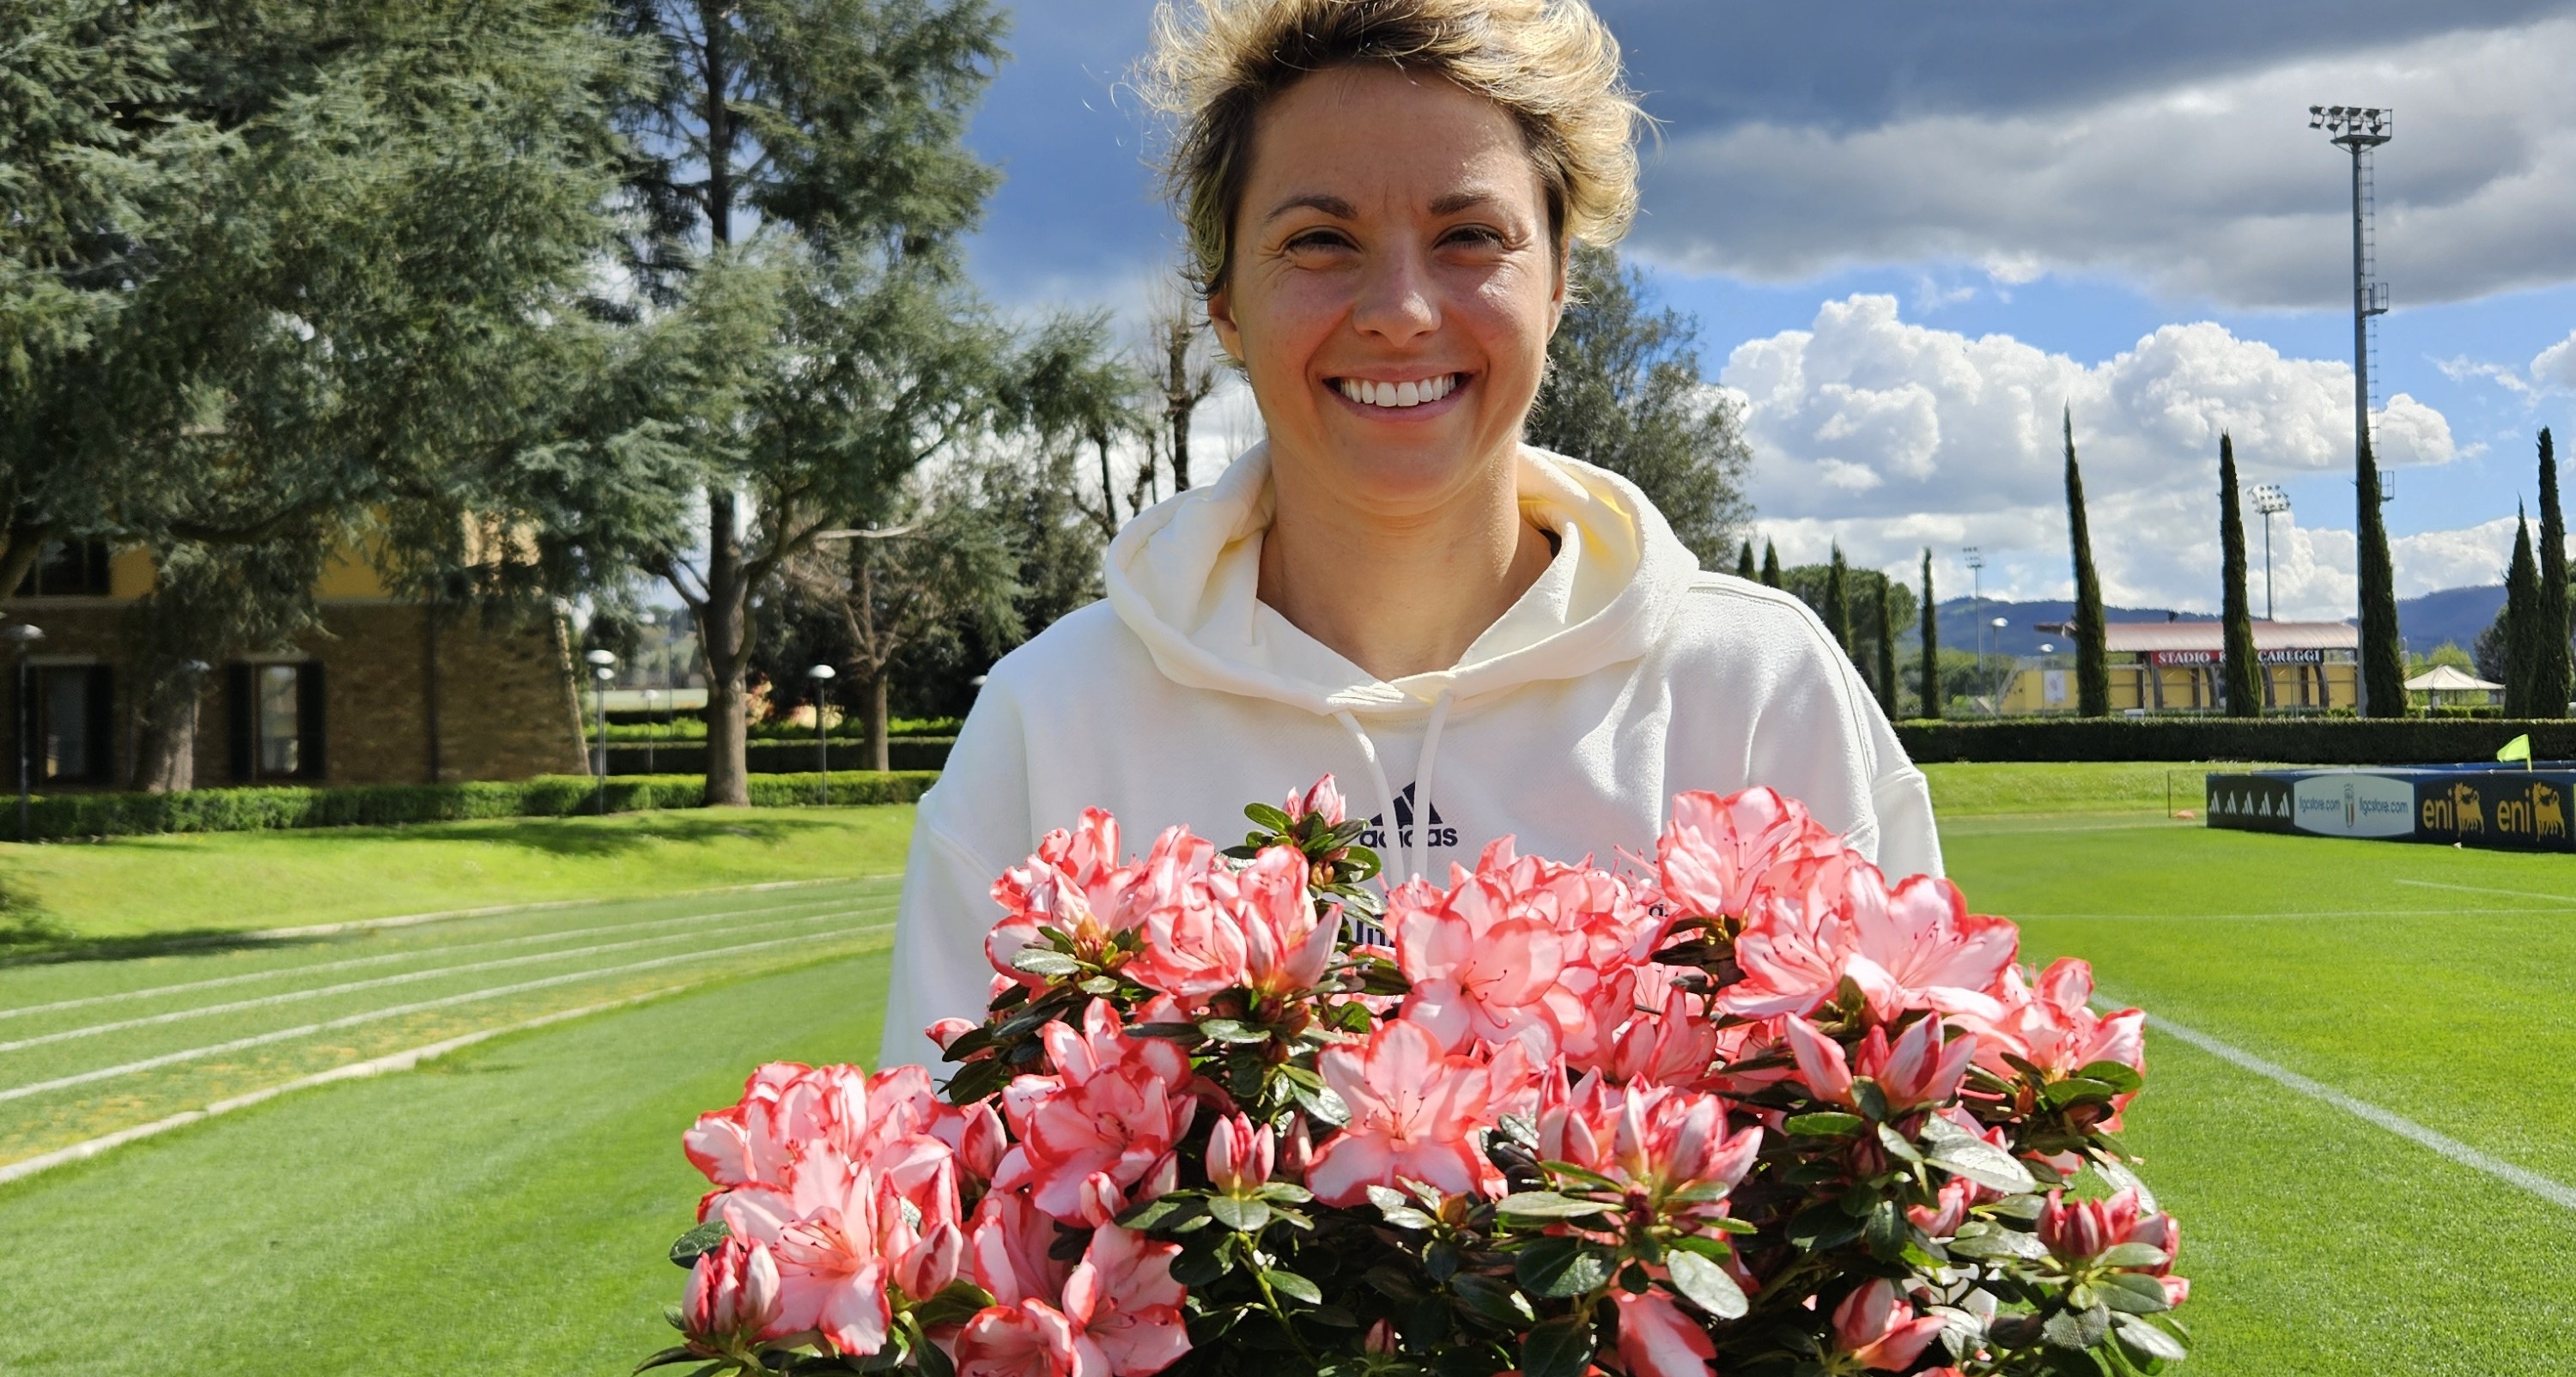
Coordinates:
1380 197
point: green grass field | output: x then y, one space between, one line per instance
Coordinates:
503 1210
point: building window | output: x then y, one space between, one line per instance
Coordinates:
75 706
68 569
276 712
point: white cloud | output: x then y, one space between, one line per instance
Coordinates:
1887 436
2555 366
2215 190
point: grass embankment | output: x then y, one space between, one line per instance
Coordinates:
1979 790
136 888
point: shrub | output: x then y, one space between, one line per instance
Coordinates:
2333 740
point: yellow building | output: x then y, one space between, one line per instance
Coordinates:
2160 667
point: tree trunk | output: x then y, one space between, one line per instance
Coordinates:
880 756
724 641
1108 494
165 747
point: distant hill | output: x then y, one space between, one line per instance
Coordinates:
2448 614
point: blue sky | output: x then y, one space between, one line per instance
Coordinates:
1911 232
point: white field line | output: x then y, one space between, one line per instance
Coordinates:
373 1066
2554 1192
2480 889
409 919
353 1020
388 958
405 978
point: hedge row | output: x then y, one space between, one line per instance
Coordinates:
2304 741
776 757
379 805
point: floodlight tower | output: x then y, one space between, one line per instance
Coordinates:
2357 130
2271 502
1977 599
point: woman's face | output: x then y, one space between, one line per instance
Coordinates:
1393 285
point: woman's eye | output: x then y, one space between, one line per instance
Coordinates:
1474 236
1318 239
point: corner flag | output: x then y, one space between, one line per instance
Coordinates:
2518 748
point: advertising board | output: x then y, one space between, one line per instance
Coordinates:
2523 810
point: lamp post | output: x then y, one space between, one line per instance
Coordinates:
2271 501
2358 130
24 636
2005 681
603 667
822 676
652 729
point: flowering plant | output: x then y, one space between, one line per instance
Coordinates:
1747 1107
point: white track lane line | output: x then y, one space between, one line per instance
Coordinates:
2556 1193
356 1070
2481 889
387 958
405 978
353 1020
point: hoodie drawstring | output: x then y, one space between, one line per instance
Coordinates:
1403 866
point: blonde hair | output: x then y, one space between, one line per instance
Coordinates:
1549 64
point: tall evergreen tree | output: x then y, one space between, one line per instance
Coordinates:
1770 564
2383 660
2241 676
1744 562
2092 661
2553 676
2522 610
1624 390
1838 602
1930 676
1886 649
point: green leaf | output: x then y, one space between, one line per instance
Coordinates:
1601 1182
1162 1212
1896 1145
1545 1205
1229 1030
1823 1124
2121 1077
954 1305
1997 1243
934 1360
1558 1347
1492 1298
2134 1293
1267 817
1285 1193
676 1353
1705 1284
2131 1255
1197 1266
1976 1159
1561 1267
1293 1286
2147 1341
1241 1215
1823 1225
2076 1328
2062 1093
698 1242
1054 965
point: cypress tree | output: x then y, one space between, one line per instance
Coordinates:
1838 604
2383 662
1886 651
1931 677
2242 675
2553 676
1744 562
2092 662
2521 621
1770 564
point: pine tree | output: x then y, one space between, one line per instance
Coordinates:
2383 661
1886 649
2241 677
2553 676
1838 603
2522 622
1744 563
1931 673
1770 564
2092 661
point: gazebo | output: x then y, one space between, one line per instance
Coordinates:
2442 679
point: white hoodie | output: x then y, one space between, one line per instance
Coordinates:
1623 676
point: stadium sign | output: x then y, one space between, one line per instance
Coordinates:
2471 806
2283 656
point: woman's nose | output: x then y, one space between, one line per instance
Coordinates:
1398 300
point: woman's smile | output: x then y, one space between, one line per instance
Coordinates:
1415 397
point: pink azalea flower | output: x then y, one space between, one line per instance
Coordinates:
1650 1137
2079 1230
1120 1317
1322 798
1415 1111
1009 1250
1103 1126
1879 1329
1239 1155
1916 1070
733 1298
1673 1046
2053 1026
1914 947
1481 960
1657 1340
784 1106
1717 853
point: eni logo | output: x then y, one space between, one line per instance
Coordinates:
2466 815
2539 812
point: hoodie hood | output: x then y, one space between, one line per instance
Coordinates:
1184 576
